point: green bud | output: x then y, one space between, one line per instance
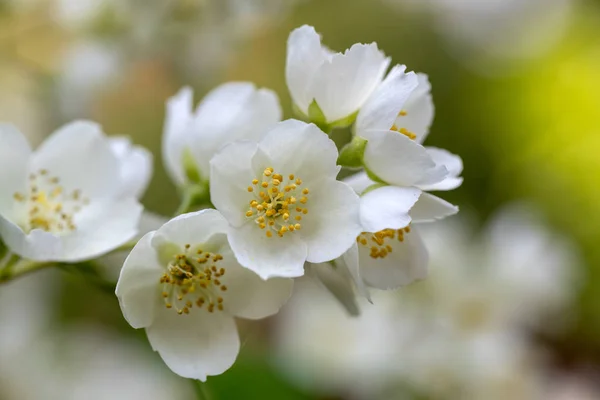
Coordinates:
351 155
189 166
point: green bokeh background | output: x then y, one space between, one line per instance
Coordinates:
529 133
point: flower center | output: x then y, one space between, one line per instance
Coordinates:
379 241
278 204
192 278
403 131
47 206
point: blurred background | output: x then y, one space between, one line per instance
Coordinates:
512 306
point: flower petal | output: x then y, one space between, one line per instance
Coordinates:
350 260
80 155
453 164
406 263
14 166
344 83
38 245
430 208
230 175
247 295
382 108
101 227
304 57
338 283
358 182
419 110
135 166
231 112
387 207
191 228
197 345
332 223
138 287
295 147
400 161
269 257
176 133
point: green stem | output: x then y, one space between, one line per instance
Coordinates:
201 389
186 202
19 268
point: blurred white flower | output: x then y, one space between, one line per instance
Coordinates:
282 200
183 284
338 84
462 333
88 67
62 202
135 165
233 111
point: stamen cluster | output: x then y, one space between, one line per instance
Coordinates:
193 273
47 205
276 206
377 241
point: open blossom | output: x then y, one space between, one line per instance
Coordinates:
395 126
63 201
232 111
282 200
339 83
135 165
183 284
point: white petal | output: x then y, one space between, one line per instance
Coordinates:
38 245
231 112
382 108
400 161
101 227
419 110
176 132
430 208
269 257
351 262
247 295
359 182
453 164
332 223
80 156
197 345
295 147
138 288
230 175
343 84
135 166
387 207
14 166
191 228
304 57
338 282
406 263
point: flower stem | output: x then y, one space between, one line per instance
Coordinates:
201 389
17 267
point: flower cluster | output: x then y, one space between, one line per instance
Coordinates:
261 199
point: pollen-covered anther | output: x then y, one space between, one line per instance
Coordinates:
404 132
48 206
273 205
193 278
377 242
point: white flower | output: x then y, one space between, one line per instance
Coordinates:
183 284
231 112
135 165
339 83
282 200
62 202
402 103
